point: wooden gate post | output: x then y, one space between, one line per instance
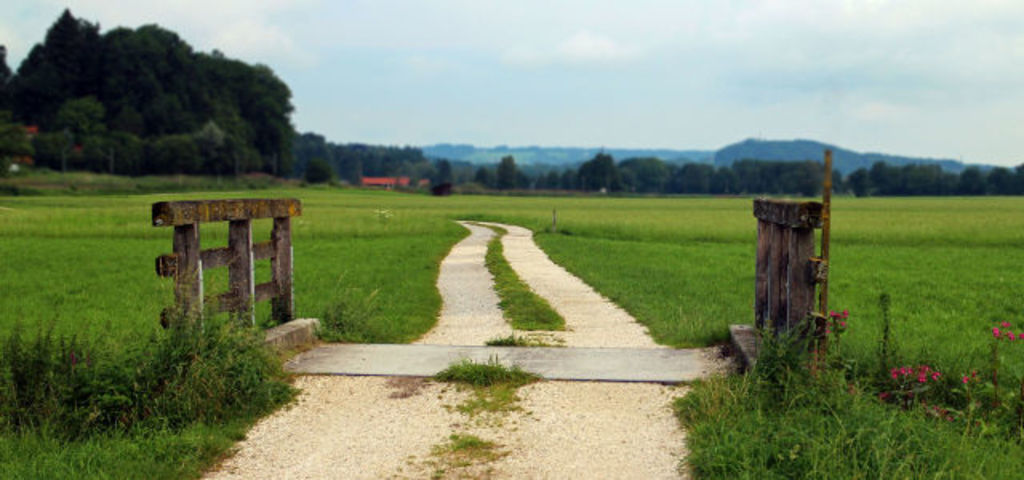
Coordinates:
188 273
282 305
240 270
784 290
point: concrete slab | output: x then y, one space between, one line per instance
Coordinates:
747 343
585 364
297 333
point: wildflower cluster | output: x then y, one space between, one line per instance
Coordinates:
922 372
910 383
837 322
1006 333
383 215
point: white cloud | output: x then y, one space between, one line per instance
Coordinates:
249 29
583 48
586 47
254 39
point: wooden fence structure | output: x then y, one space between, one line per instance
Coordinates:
187 262
788 273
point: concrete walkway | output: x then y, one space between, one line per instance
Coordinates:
593 364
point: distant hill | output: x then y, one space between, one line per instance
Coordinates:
558 156
844 160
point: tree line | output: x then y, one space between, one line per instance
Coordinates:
143 101
750 176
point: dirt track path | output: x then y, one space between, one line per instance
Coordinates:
376 427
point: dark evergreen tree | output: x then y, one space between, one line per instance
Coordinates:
444 172
600 174
507 173
859 182
484 177
65 66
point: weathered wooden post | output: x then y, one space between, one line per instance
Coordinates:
282 305
785 273
188 261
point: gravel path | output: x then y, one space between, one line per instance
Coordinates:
469 309
375 427
590 319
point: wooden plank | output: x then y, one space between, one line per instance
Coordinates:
219 257
265 291
223 302
263 250
216 257
761 272
167 265
188 281
283 305
240 268
789 213
188 212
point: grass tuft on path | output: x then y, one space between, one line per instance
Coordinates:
524 309
494 385
485 374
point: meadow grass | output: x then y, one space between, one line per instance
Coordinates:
683 266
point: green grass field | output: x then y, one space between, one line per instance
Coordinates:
683 266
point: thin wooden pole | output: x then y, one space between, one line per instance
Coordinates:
826 232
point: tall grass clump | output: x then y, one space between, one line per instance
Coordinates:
806 414
351 317
205 372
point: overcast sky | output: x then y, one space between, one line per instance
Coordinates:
922 78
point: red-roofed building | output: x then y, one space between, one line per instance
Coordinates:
386 182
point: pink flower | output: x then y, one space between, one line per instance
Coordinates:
842 324
966 379
846 313
995 332
1009 335
1005 324
936 375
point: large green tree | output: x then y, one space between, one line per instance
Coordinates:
151 84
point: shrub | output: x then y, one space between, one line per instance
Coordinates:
319 171
198 372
